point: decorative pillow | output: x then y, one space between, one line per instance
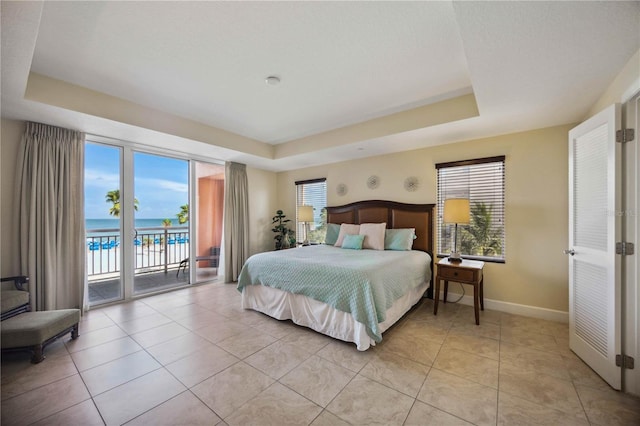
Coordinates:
346 228
399 239
353 242
373 235
333 229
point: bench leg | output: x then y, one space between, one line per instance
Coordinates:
74 332
38 355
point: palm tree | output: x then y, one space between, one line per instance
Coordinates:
320 231
166 223
113 197
480 238
183 216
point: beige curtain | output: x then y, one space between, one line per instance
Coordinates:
50 194
236 220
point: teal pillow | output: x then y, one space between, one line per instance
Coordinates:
333 230
353 242
399 239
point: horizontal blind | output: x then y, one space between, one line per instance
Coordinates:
482 182
312 193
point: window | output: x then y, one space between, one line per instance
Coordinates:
312 193
482 182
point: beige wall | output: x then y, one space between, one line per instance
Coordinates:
10 135
262 206
535 272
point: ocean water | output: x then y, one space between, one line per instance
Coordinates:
112 227
140 223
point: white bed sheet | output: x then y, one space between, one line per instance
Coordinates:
321 317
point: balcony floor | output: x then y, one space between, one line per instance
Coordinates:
110 290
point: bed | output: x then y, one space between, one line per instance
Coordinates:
351 295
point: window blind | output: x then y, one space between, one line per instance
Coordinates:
313 193
482 182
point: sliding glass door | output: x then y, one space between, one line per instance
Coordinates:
103 224
141 234
161 210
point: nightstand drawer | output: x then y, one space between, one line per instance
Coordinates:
455 273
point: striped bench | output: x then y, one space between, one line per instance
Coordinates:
35 330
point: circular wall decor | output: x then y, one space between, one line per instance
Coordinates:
341 189
411 183
373 182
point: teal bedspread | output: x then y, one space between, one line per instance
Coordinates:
364 283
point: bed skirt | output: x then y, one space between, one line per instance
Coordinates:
321 317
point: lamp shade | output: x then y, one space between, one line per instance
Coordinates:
305 213
456 210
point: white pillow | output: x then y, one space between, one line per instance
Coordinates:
373 235
346 228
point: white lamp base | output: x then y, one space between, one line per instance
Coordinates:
306 234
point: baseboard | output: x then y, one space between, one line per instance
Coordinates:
513 308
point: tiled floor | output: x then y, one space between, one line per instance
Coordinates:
195 357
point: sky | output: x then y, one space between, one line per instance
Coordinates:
160 183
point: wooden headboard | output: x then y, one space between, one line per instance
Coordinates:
396 215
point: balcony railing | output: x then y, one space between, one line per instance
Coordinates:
156 249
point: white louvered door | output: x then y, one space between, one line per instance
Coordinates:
594 228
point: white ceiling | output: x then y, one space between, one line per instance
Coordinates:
202 65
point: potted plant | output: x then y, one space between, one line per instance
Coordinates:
284 237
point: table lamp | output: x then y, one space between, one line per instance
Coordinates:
456 210
305 215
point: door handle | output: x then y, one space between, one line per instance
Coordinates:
569 251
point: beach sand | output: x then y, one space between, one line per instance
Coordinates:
105 262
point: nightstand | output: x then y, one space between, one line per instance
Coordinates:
465 272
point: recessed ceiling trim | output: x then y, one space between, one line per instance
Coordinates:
459 108
58 93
